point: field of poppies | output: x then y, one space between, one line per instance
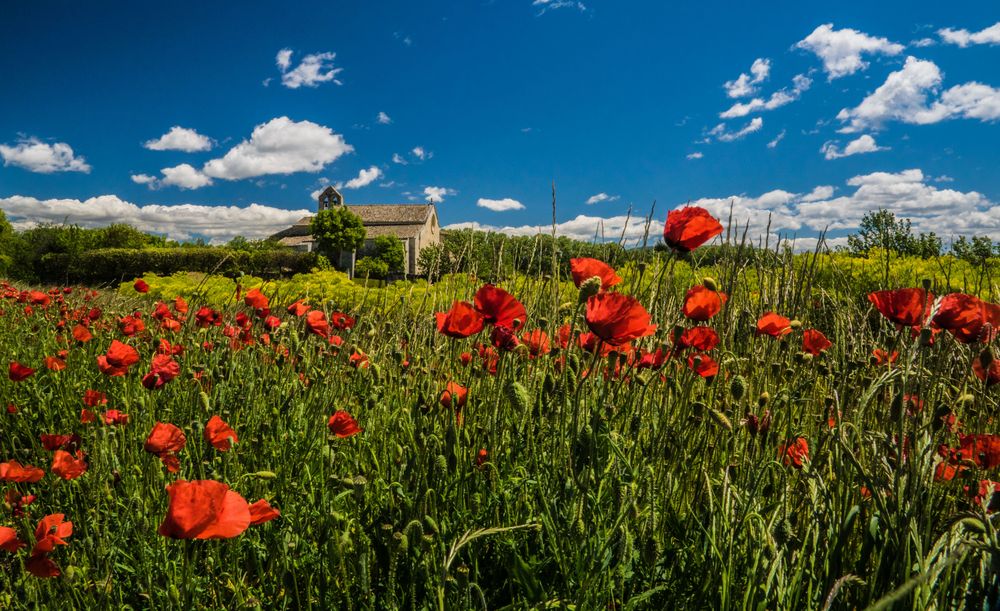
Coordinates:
646 442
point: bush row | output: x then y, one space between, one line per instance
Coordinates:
108 265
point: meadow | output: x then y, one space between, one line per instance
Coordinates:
761 431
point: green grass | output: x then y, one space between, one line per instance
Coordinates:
642 490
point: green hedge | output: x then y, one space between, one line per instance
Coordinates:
107 265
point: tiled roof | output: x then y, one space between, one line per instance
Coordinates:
400 220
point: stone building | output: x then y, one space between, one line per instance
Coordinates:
415 224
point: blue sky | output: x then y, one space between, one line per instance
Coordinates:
149 113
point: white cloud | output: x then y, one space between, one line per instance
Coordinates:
436 195
904 97
184 176
499 205
923 42
818 193
312 70
383 119
841 50
280 146
601 197
397 158
364 178
36 156
551 5
582 227
421 153
745 84
864 144
143 179
723 135
964 38
180 139
179 222
800 83
695 155
774 143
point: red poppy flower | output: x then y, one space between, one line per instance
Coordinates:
53 363
261 512
461 321
118 359
82 334
115 417
298 308
590 342
968 318
67 466
9 541
986 491
39 298
499 307
18 372
617 319
272 322
140 286
163 369
703 365
465 358
585 268
773 324
131 325
794 452
86 416
13 471
503 338
165 440
93 398
342 424
701 303
316 323
255 299
68 441
339 320
814 342
180 306
537 342
984 450
988 372
207 317
700 338
906 307
454 396
689 227
219 434
653 360
52 530
884 358
204 509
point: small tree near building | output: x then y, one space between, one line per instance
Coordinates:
337 230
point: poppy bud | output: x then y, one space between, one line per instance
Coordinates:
795 324
265 475
721 419
966 399
709 283
763 398
543 323
399 541
518 396
926 283
926 337
462 576
986 358
590 287
738 387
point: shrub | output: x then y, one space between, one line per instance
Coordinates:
371 267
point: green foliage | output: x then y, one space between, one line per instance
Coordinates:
371 267
389 250
880 229
242 244
977 251
337 229
115 264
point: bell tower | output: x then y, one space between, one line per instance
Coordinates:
329 198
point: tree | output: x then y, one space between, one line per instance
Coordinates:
880 229
390 250
337 229
976 251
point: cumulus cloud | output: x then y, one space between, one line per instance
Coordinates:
864 144
364 178
383 119
178 222
314 69
184 176
421 153
180 139
723 135
964 38
143 179
36 156
906 95
436 195
746 84
601 197
499 205
582 227
280 146
841 50
782 97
